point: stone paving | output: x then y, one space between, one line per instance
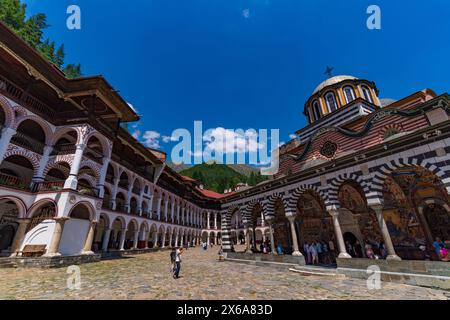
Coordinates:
203 277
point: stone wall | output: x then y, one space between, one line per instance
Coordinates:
54 262
267 258
433 274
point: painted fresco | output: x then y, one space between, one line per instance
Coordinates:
351 199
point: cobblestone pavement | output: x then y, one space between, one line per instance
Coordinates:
203 277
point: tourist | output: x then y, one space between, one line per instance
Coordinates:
326 254
221 254
349 248
307 254
280 249
438 245
319 250
313 252
369 252
358 249
382 249
179 252
173 255
261 247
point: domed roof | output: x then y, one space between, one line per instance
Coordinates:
331 81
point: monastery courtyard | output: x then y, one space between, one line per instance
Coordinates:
145 277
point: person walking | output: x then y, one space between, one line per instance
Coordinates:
173 255
313 253
179 252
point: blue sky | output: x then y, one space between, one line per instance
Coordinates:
249 63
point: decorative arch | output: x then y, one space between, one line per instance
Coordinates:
333 202
10 118
42 123
39 204
270 205
34 158
291 206
376 186
60 132
86 204
21 207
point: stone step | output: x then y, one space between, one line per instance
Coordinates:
316 271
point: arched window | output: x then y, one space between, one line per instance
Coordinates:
315 111
366 93
331 101
349 94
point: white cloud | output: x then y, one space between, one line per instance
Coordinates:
293 136
151 139
230 141
136 134
246 13
167 139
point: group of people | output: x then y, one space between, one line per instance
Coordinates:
372 251
442 250
319 252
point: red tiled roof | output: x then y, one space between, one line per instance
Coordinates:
212 194
186 178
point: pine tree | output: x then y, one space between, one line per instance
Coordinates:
31 30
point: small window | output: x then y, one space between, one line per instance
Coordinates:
331 101
389 133
316 111
366 93
349 94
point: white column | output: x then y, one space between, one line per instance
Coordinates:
113 204
53 248
272 241
166 209
386 236
136 239
122 239
296 252
172 211
72 180
155 240
150 206
42 164
339 237
7 134
158 209
87 249
106 240
101 181
128 200
176 240
215 220
178 213
208 222
182 215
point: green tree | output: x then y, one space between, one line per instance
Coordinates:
31 30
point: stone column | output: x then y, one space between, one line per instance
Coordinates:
247 240
386 236
263 221
42 164
150 207
122 239
170 239
53 248
182 215
272 242
215 220
87 249
172 212
158 209
101 181
178 214
163 244
72 180
7 134
208 222
106 240
166 209
339 237
176 240
136 239
208 239
128 200
296 252
155 240
19 237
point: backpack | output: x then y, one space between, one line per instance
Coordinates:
173 256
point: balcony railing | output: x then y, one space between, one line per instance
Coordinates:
22 140
87 190
64 149
10 89
48 186
94 155
12 182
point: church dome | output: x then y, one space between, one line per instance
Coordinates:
331 81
